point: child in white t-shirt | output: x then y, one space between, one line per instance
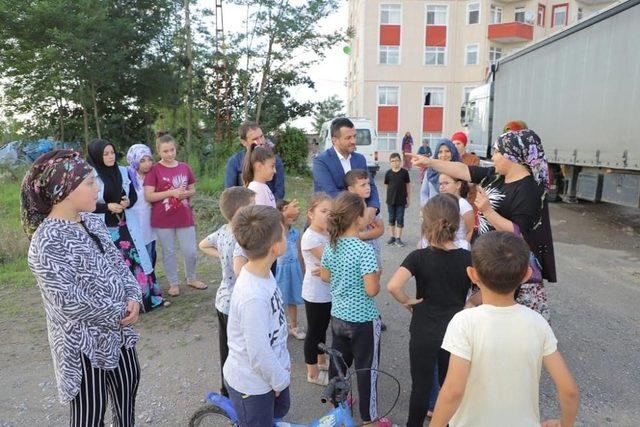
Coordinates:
460 189
221 244
316 293
258 368
498 348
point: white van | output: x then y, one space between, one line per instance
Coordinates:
366 141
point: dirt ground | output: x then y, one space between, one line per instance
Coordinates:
594 315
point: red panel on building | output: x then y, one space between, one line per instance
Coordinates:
389 35
388 119
436 35
511 32
432 119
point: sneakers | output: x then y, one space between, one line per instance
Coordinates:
297 333
399 242
391 241
322 379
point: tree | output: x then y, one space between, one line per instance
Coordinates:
284 34
327 110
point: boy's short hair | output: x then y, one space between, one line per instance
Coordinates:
352 177
395 156
256 228
234 198
501 260
164 139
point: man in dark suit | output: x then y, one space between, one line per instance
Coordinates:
330 167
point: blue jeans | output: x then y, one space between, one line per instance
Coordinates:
435 389
396 215
259 410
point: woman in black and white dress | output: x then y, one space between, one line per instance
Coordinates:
90 297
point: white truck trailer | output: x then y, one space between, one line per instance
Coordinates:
579 89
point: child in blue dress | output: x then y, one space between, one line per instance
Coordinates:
289 270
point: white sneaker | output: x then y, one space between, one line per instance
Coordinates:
322 378
297 333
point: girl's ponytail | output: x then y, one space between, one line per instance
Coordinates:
441 219
255 154
346 209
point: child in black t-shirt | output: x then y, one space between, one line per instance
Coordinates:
398 196
442 284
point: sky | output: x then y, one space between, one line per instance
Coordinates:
329 75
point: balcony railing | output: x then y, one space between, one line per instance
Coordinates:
510 32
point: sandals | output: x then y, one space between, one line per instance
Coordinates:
197 284
322 379
324 367
174 290
297 333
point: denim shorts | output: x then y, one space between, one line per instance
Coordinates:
396 215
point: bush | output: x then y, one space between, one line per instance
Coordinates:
293 149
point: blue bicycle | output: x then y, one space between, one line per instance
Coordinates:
220 412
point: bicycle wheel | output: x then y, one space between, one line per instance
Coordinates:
210 415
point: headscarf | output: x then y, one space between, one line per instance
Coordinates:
524 147
110 175
432 175
134 156
51 178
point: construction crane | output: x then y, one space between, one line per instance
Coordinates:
222 81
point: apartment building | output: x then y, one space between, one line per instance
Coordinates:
414 62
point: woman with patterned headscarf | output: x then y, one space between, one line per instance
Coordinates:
90 297
116 197
140 162
512 197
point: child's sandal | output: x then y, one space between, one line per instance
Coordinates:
322 379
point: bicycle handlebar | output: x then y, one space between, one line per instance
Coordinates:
335 356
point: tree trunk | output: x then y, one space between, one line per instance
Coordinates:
60 119
187 24
85 119
266 72
95 109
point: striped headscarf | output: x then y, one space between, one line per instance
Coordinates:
52 177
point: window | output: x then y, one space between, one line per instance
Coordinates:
466 92
559 15
495 53
436 15
473 13
389 55
580 14
388 95
520 14
434 55
387 141
432 139
390 14
542 12
433 96
471 55
496 14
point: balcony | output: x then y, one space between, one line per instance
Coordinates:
510 32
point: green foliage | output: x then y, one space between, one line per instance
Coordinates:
327 110
293 149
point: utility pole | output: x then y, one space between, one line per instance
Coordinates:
222 85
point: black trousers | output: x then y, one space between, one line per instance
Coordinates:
359 343
318 317
223 319
423 355
120 385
